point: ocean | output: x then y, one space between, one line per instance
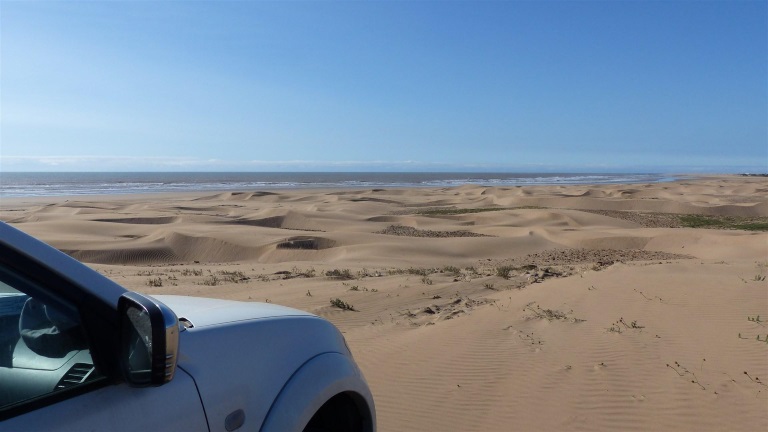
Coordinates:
39 184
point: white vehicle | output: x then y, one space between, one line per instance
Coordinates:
79 352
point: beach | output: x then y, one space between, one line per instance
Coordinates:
640 306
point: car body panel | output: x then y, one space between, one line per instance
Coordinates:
204 312
174 406
245 365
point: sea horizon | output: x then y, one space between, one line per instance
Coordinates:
42 184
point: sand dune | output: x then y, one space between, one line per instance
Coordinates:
590 307
289 220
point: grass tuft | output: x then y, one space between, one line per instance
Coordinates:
340 274
155 282
232 276
452 270
503 271
192 272
341 304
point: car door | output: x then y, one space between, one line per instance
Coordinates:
59 349
171 407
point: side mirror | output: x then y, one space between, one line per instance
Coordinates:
149 340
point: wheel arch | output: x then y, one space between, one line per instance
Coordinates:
323 378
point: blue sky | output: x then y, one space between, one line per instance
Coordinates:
387 85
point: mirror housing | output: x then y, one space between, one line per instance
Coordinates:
149 340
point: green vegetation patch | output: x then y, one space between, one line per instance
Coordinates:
724 222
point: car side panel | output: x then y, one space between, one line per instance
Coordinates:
245 365
172 407
315 383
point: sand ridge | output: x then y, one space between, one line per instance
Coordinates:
560 307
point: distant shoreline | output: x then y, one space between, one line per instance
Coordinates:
30 185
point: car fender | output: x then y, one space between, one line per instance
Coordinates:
244 365
314 383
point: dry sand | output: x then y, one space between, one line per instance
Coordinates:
567 308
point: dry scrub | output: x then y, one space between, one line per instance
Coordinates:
406 231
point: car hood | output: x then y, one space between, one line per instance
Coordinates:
204 312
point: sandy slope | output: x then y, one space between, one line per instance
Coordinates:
610 317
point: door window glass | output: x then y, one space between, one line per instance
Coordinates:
43 349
